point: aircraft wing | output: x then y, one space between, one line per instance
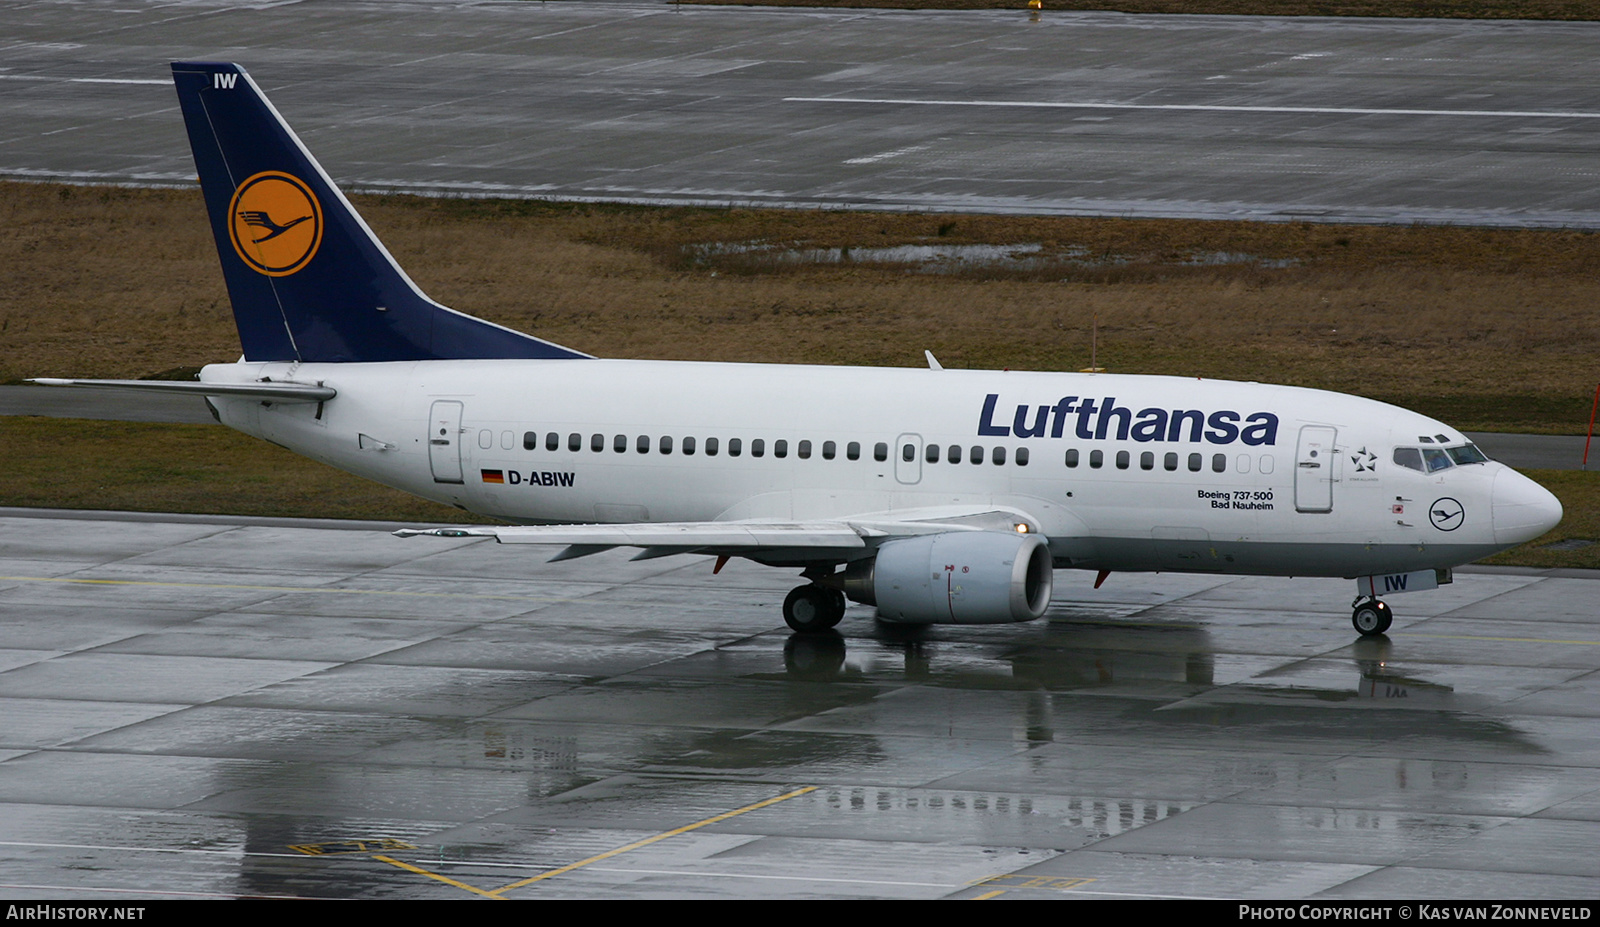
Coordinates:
737 538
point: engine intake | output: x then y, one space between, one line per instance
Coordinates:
962 577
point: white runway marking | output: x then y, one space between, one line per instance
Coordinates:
87 80
1211 108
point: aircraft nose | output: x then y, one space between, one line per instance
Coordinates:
1523 509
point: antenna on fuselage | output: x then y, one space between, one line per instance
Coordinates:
1094 348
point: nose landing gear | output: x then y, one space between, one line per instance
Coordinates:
1371 617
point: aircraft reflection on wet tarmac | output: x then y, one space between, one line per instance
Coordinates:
200 707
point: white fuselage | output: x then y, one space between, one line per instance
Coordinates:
1119 472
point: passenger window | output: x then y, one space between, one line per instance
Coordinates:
1266 463
574 441
1170 461
506 438
780 448
1123 458
597 443
802 450
688 447
758 447
953 455
1194 463
620 444
1097 459
1072 457
880 451
998 456
1410 458
552 441
1022 457
1242 463
666 444
643 444
734 447
1219 463
976 455
852 451
711 447
1147 460
530 440
485 439
908 453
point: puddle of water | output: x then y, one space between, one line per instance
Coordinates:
952 258
927 258
1212 258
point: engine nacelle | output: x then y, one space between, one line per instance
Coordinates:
962 577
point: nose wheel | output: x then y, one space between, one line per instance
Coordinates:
1371 617
812 608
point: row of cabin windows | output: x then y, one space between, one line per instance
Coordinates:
711 447
954 454
1147 461
1170 461
932 453
758 447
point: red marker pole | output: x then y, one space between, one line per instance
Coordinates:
1591 426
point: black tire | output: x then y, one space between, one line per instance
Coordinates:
840 603
1371 619
809 609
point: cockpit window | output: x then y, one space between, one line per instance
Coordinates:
1467 454
1410 458
1435 459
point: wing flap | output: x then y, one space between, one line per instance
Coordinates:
679 536
746 538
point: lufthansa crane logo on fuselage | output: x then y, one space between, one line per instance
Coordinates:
1447 514
275 222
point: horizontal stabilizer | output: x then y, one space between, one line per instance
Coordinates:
278 392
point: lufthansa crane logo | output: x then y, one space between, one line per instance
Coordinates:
1446 514
275 222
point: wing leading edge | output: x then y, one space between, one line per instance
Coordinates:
828 539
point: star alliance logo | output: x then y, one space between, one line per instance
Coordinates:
1364 461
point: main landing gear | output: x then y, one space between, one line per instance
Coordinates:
1371 617
811 608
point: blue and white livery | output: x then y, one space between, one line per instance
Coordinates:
934 495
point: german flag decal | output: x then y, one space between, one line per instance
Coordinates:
493 476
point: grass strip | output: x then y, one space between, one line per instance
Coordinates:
1487 329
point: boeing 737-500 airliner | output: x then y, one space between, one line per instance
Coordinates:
935 495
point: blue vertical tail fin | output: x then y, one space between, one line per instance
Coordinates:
307 278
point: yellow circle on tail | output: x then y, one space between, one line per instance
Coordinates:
275 222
